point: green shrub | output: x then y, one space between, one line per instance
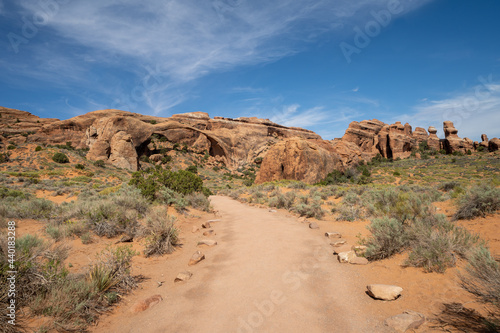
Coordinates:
198 201
55 232
11 147
192 169
423 146
436 249
5 193
80 166
165 159
32 208
161 235
478 201
99 163
4 157
258 160
388 237
334 177
86 238
448 186
283 200
60 158
38 148
309 208
482 279
405 206
150 182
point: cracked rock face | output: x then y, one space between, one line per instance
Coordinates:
300 159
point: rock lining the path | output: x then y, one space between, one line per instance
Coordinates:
384 292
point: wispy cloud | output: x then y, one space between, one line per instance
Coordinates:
248 90
325 122
186 39
473 112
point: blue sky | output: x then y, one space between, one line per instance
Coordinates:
313 64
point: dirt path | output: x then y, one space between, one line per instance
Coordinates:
268 273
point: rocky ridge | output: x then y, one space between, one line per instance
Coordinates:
121 138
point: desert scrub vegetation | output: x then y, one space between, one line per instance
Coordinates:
482 279
434 243
350 209
478 201
73 300
60 158
357 175
152 180
160 233
111 214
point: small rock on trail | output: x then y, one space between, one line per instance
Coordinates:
196 258
183 276
207 242
333 235
384 292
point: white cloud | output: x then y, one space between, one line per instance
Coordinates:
356 89
188 39
473 112
290 115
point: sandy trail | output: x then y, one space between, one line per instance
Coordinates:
268 273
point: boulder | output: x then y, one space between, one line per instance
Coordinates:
298 159
156 157
493 144
384 292
195 229
346 257
206 225
196 258
146 304
408 320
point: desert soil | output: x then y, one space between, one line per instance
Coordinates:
271 273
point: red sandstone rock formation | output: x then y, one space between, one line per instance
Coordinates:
433 141
452 142
120 138
300 159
